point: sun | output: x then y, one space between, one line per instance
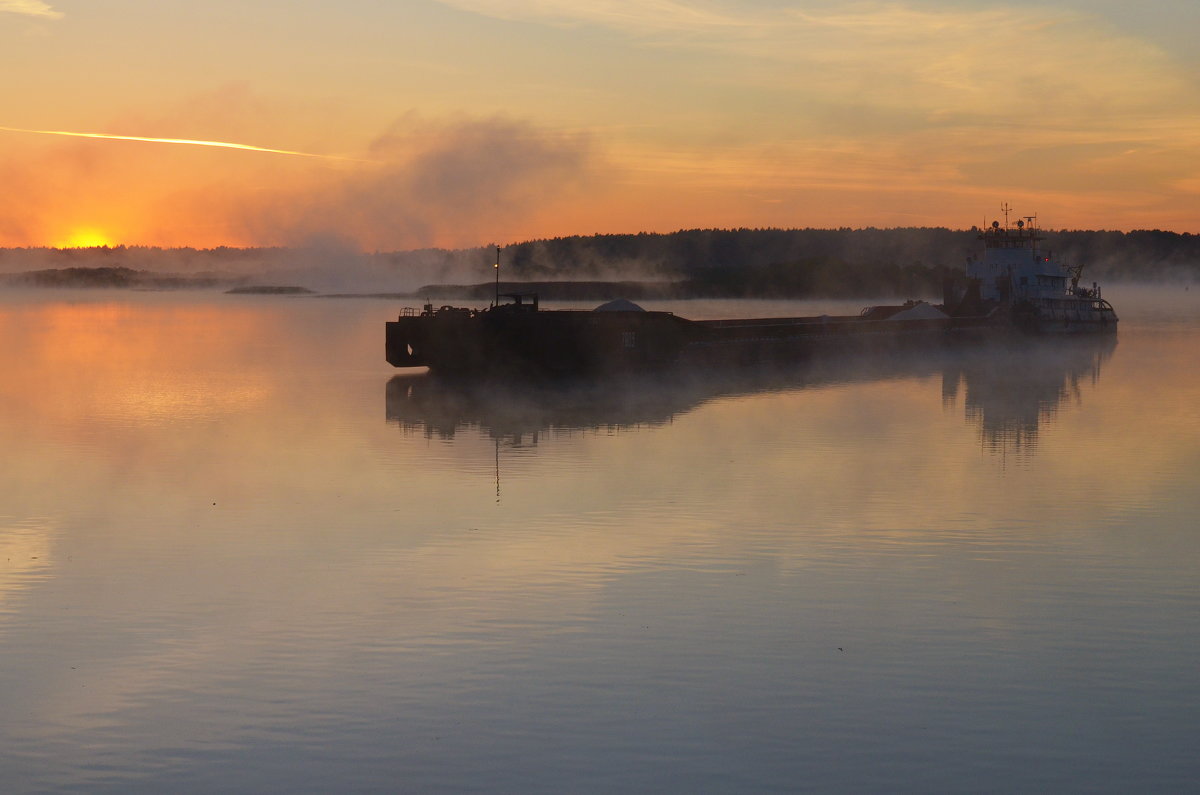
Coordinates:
85 238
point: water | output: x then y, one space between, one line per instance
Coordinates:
238 552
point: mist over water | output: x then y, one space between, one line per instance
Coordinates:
238 551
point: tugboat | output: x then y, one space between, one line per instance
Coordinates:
1040 294
1014 287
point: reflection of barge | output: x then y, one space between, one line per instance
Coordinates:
1014 286
1008 388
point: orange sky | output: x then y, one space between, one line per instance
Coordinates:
462 122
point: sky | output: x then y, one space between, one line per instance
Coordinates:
454 123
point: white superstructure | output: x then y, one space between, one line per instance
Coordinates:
1042 292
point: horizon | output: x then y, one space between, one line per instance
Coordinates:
114 247
455 123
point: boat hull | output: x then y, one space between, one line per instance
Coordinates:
554 342
1054 317
567 342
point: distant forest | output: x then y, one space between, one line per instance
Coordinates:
836 262
702 262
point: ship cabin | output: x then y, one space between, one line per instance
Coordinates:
1015 271
1013 266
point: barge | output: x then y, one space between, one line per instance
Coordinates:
1014 287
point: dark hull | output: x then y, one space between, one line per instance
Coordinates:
1053 317
554 342
520 342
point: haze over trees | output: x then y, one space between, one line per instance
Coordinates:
704 262
830 262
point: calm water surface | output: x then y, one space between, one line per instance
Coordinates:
238 552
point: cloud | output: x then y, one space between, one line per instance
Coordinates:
999 63
446 182
645 16
423 181
939 61
871 98
33 8
178 141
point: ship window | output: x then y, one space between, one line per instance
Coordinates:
629 338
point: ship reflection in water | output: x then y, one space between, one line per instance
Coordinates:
1008 390
1009 394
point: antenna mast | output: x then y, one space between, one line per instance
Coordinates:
1004 208
497 300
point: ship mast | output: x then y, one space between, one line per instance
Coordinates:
496 302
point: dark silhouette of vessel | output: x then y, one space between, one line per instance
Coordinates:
1013 287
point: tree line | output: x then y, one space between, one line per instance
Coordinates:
835 262
703 262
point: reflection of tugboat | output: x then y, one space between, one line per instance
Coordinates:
1011 393
1016 277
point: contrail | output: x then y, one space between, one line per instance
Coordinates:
222 144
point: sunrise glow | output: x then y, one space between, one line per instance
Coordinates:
392 131
85 238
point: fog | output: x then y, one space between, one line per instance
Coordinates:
421 181
428 181
326 265
846 263
229 517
